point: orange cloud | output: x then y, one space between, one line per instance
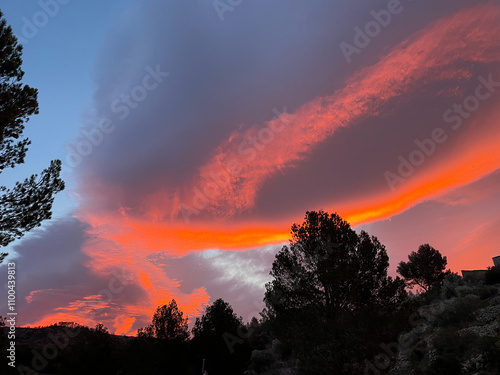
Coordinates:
476 156
122 249
61 317
84 311
229 183
429 55
123 325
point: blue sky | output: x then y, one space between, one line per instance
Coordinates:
60 60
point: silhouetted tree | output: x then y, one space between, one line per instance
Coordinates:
168 324
424 268
329 292
99 328
218 319
219 336
146 332
28 203
164 343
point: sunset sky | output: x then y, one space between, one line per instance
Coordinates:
194 133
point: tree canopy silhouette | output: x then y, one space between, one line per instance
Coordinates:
28 203
424 268
329 285
218 319
219 336
168 324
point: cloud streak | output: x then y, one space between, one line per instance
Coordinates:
230 181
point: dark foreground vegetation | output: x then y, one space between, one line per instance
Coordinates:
331 308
